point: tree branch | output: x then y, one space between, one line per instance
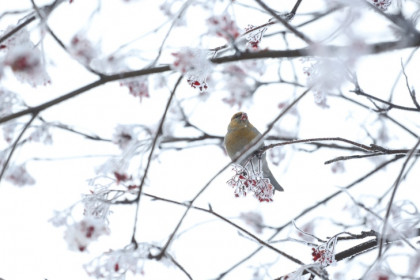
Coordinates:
391 200
359 91
309 209
411 91
17 28
330 50
284 22
5 165
158 133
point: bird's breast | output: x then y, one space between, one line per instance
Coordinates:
238 139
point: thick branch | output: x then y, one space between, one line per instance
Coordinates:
101 81
330 50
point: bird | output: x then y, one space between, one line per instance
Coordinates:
240 134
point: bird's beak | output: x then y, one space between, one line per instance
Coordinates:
244 117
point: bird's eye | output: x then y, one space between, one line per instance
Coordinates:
237 116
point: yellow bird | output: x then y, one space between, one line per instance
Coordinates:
239 135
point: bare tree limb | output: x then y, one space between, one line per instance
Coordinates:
149 160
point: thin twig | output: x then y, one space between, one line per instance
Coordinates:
14 146
400 73
405 25
412 133
377 216
13 12
158 133
391 200
309 140
411 91
72 130
391 105
174 22
362 156
285 23
210 211
177 264
375 149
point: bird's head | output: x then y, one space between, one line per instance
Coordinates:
238 120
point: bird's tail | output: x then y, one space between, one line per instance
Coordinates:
269 175
274 182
